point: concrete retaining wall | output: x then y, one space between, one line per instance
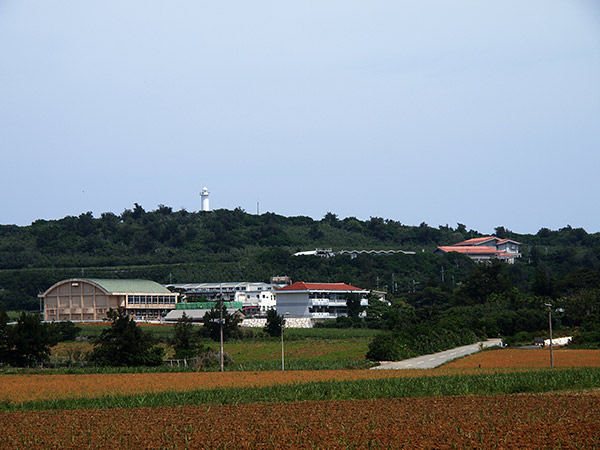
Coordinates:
290 322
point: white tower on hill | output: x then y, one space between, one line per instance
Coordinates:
204 195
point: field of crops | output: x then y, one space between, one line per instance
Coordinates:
519 358
22 388
33 387
305 349
320 350
254 351
523 421
494 399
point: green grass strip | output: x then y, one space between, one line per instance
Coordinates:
254 366
446 385
300 364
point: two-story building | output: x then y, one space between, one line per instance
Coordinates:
485 248
88 299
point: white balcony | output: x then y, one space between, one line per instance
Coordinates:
320 301
337 302
324 315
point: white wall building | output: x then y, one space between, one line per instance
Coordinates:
255 297
316 300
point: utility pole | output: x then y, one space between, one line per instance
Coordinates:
282 352
549 305
442 274
221 324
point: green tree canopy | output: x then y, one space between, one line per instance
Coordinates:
125 343
185 340
353 306
28 341
275 323
212 326
5 344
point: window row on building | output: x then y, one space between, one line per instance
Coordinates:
151 299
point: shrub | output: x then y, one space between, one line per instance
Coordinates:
521 338
388 347
62 331
588 337
416 340
210 359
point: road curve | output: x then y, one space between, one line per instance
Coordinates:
436 359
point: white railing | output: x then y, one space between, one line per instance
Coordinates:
322 316
320 301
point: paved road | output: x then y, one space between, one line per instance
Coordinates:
436 359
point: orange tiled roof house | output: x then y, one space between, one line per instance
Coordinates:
485 249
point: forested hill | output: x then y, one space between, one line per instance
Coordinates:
180 246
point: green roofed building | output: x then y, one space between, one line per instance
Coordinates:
88 299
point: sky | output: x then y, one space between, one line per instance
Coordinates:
485 113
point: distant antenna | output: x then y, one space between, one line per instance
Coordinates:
257 208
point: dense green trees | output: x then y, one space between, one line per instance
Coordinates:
62 331
30 341
5 344
180 246
212 324
26 343
124 343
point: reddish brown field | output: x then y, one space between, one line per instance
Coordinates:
545 421
20 388
518 358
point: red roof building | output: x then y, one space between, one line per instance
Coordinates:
302 286
317 300
485 248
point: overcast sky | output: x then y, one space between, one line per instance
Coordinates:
485 113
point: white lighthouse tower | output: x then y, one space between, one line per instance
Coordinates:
204 195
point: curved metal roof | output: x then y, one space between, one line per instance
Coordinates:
118 286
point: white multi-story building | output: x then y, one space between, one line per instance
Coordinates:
256 298
317 300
